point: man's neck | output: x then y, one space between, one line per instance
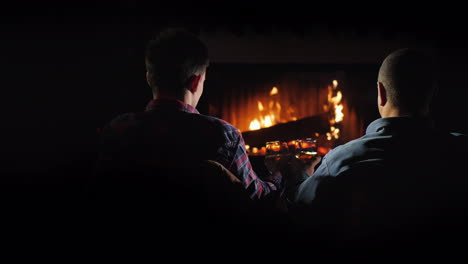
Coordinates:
393 112
396 112
187 99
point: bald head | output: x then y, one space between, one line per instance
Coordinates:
409 80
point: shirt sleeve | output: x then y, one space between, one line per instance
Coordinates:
302 189
242 168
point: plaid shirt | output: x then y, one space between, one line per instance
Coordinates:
230 149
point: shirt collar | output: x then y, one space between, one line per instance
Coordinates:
170 103
399 124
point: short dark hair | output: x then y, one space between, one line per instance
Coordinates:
172 58
409 76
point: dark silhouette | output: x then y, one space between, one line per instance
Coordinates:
401 184
159 162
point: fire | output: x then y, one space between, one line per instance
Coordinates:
254 125
336 109
260 106
267 117
267 122
339 113
292 113
271 112
335 99
334 133
335 84
274 91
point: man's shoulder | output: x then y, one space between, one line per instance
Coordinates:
129 119
123 118
350 147
121 122
208 126
458 143
459 137
223 124
363 149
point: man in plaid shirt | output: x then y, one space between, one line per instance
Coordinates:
171 134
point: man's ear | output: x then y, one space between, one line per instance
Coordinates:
382 94
194 83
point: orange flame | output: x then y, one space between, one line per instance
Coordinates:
274 91
339 113
270 118
335 84
268 121
260 106
335 99
334 105
254 125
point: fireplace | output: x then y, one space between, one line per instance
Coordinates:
274 82
284 102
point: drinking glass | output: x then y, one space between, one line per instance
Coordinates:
305 149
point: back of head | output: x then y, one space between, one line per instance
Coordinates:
172 58
409 78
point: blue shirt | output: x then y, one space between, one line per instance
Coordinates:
408 147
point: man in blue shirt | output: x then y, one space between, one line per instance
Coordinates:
402 180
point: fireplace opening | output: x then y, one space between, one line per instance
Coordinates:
267 102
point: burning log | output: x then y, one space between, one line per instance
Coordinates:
270 125
302 128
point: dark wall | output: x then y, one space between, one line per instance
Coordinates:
450 106
62 82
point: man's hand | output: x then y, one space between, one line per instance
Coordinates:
309 166
294 166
